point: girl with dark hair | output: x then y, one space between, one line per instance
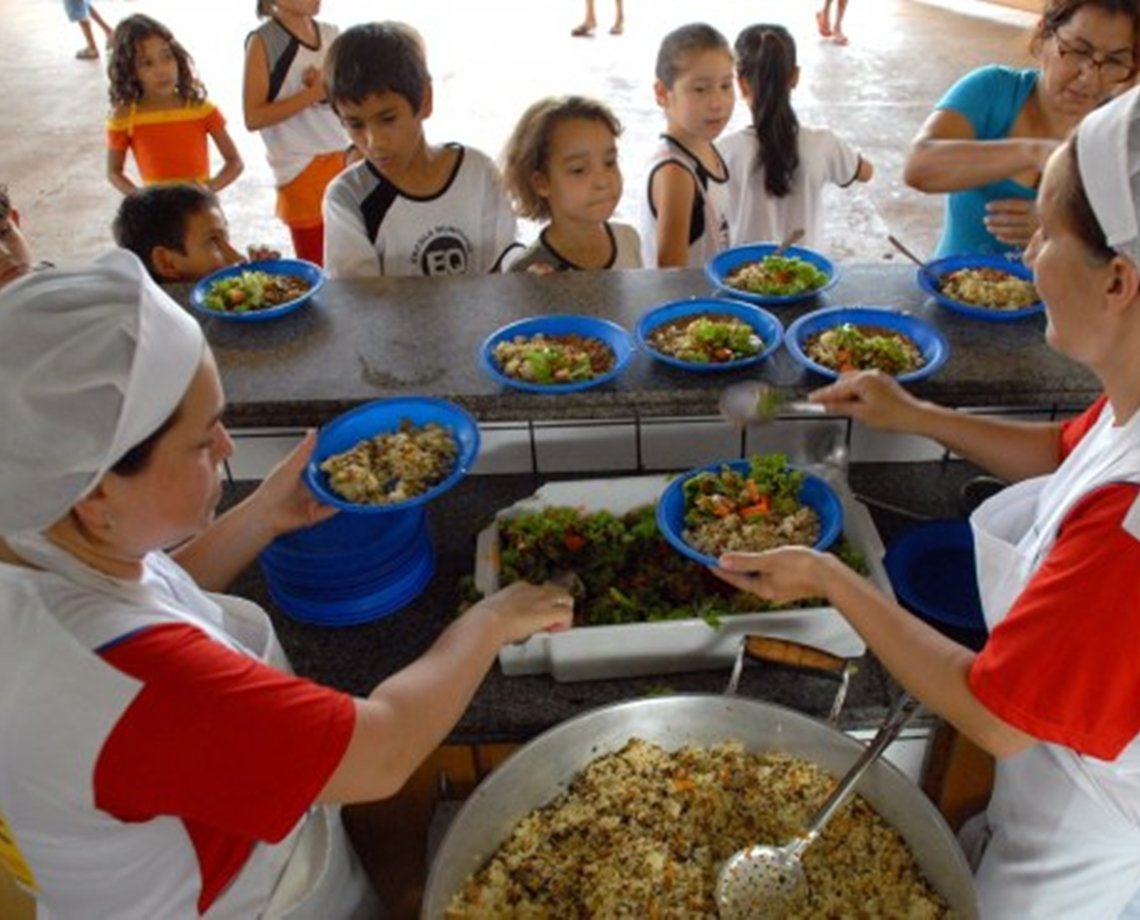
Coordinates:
777 167
159 111
1052 695
283 97
988 138
684 218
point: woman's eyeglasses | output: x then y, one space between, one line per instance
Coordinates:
1113 68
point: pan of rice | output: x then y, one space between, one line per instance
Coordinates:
630 809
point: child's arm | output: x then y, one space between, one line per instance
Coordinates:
118 142
116 161
672 191
259 111
232 164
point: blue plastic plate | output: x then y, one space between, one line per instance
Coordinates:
363 609
952 263
815 493
612 334
768 328
931 568
934 347
313 274
385 415
724 263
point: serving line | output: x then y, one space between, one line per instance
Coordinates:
366 339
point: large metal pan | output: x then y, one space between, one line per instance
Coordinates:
544 767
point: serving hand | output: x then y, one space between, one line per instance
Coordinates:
284 501
871 397
779 575
1012 220
521 609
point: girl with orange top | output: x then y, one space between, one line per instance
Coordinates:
160 112
284 100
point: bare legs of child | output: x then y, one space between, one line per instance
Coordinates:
84 13
590 23
825 26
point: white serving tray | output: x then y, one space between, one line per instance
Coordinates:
635 649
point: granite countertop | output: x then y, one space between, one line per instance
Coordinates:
367 339
517 708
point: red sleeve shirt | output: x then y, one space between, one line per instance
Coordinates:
236 749
1062 665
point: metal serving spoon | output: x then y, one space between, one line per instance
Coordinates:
753 402
927 273
791 239
759 880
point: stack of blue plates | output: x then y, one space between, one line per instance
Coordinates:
369 560
352 568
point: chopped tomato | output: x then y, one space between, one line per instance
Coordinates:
236 296
758 509
573 541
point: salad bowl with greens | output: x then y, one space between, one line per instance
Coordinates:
556 354
755 273
257 291
709 334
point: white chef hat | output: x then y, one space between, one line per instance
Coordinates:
1108 151
93 360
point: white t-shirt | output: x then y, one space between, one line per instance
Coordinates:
292 144
708 222
755 216
372 228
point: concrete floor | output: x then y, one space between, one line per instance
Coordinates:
489 61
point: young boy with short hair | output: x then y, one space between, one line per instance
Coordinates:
179 232
410 208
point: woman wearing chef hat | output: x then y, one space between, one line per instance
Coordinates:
156 757
1055 693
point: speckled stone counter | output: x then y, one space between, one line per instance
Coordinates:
362 340
517 708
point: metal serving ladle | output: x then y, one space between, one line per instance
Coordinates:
759 880
927 273
753 402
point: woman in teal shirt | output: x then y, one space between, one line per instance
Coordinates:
989 137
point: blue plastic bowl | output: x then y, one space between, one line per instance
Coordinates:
724 263
345 534
768 328
815 493
313 274
368 576
933 345
612 334
953 263
365 566
931 568
385 415
364 608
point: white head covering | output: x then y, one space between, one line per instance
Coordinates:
1108 152
93 360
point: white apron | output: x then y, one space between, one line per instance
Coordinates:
1064 829
313 874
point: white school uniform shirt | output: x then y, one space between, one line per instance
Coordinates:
1064 828
373 228
293 143
708 222
755 216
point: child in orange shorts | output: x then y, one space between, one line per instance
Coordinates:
284 99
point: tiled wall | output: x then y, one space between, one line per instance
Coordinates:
647 444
